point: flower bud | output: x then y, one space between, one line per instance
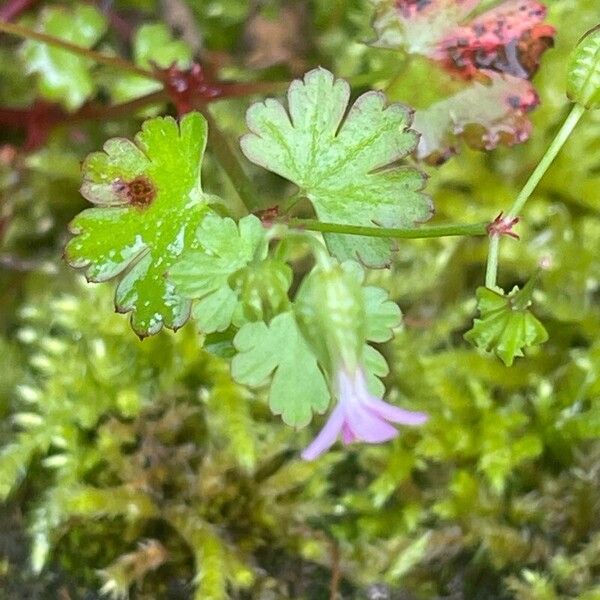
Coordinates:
583 83
331 313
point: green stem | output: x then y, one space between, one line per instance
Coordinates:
559 141
491 270
231 165
104 59
431 231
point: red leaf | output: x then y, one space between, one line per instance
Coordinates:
508 39
485 114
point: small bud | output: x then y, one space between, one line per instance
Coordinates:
583 84
331 313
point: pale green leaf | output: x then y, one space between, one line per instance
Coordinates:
278 350
203 274
338 163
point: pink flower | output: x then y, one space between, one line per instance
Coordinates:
359 416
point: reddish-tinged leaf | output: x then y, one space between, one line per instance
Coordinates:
485 115
498 52
509 39
418 25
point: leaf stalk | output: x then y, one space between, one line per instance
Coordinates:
431 231
104 59
517 206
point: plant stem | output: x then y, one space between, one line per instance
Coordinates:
431 231
491 270
111 61
116 111
231 165
561 137
14 8
559 141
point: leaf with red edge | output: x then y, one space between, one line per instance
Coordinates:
508 39
418 25
485 114
497 52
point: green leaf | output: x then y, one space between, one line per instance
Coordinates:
338 163
382 314
583 83
151 203
63 76
153 45
223 248
505 325
279 350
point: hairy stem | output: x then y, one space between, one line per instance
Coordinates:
517 206
431 231
231 165
104 59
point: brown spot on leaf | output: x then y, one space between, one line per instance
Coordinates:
139 192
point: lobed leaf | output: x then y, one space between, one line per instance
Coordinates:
338 163
150 205
278 352
223 248
509 38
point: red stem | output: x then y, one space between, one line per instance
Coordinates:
13 8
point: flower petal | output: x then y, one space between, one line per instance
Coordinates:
347 434
395 413
327 436
365 425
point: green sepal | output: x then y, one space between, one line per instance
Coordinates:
506 326
330 310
